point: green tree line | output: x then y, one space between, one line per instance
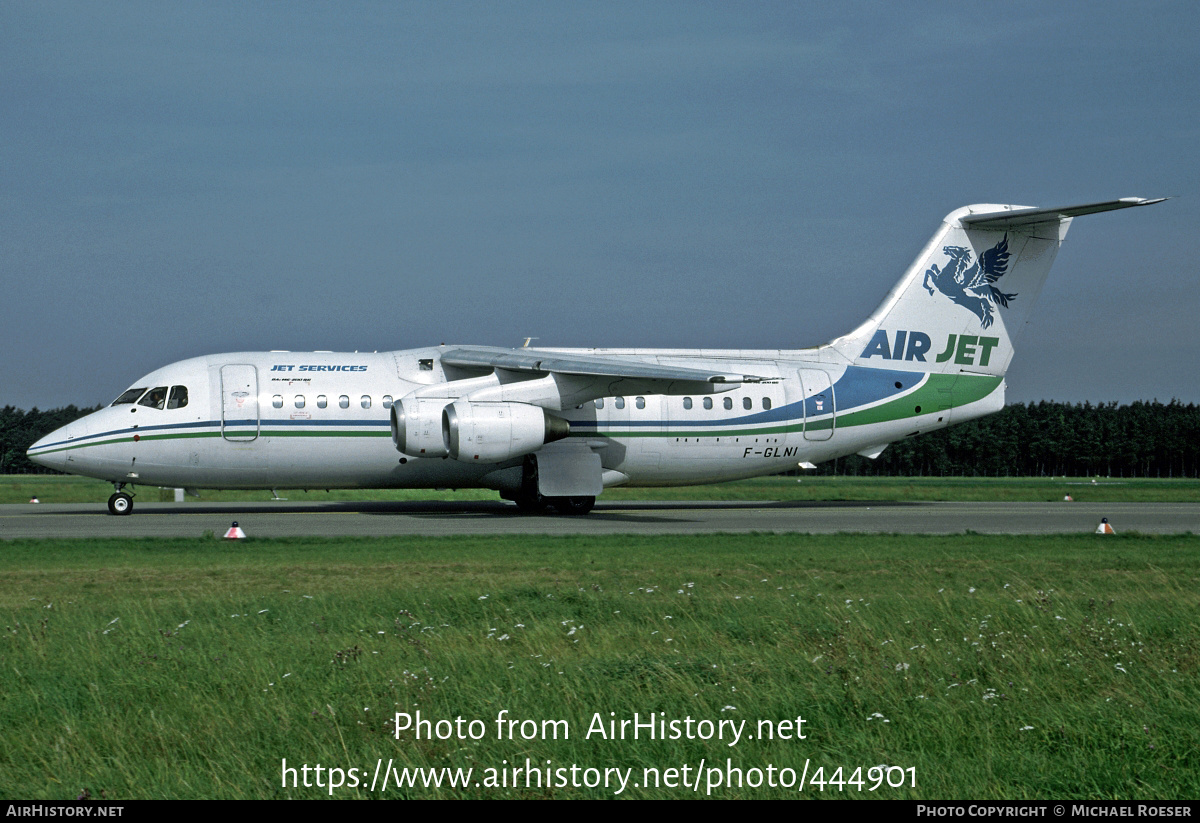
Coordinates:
20 429
1024 440
1142 439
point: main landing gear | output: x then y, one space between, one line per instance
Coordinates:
573 505
529 501
536 504
120 503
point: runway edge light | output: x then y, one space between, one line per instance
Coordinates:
1104 528
235 532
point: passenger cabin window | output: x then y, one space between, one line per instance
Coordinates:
766 402
728 403
708 402
277 401
640 403
130 396
156 398
299 401
687 402
599 402
387 401
619 402
322 401
366 401
344 402
747 403
178 398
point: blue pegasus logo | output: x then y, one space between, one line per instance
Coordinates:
970 286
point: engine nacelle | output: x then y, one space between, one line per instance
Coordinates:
417 426
494 432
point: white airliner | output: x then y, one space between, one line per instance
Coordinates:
555 427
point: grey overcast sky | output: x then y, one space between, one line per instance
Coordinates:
180 179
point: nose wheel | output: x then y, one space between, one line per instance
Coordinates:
120 503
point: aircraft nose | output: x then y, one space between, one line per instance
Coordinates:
43 452
53 450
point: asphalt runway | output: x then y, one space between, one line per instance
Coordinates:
287 519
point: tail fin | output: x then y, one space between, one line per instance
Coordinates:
964 300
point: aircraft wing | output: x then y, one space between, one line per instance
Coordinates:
588 365
1026 217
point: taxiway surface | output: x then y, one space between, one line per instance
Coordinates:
288 519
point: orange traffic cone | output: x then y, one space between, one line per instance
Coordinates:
1104 528
235 532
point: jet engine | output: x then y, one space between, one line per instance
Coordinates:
494 432
417 426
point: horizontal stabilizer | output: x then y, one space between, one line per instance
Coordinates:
1027 217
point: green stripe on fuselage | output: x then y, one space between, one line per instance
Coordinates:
956 389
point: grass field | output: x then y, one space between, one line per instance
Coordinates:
985 667
66 489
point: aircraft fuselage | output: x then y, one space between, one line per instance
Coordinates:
321 420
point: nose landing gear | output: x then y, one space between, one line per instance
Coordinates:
120 503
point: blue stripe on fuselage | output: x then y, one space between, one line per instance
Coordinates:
858 386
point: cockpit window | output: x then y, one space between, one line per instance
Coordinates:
130 396
156 398
178 398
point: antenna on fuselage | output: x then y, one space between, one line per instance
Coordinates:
525 345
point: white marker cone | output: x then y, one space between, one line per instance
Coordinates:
235 532
1104 528
34 499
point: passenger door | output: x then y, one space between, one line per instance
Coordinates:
239 403
820 408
